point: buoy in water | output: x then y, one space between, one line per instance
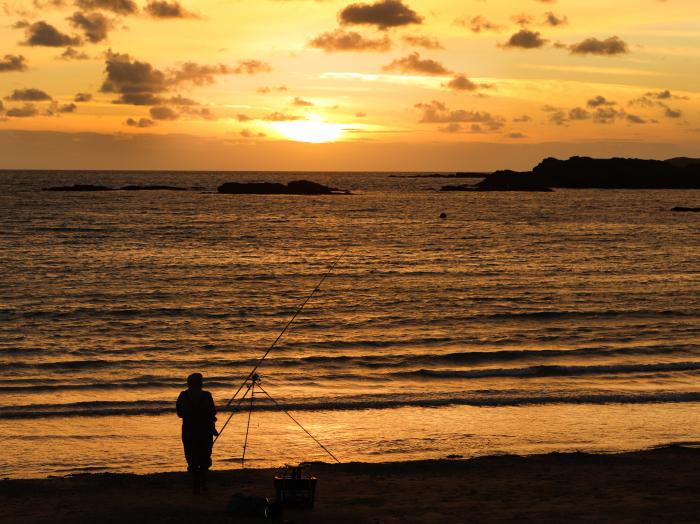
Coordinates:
443 215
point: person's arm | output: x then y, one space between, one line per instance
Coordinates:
212 410
180 406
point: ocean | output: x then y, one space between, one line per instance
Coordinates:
522 323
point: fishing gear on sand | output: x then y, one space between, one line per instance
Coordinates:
252 380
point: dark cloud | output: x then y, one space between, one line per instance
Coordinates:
422 41
593 46
13 63
26 111
122 7
137 83
523 118
199 74
553 20
243 118
384 14
251 67
164 9
437 112
43 34
607 115
340 40
598 101
200 112
299 102
28 95
461 83
247 133
516 135
67 108
82 97
163 113
578 113
477 24
665 95
526 39
179 100
634 119
73 54
95 26
558 118
672 113
141 122
413 63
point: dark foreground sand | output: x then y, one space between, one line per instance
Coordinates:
652 486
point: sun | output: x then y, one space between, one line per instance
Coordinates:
313 131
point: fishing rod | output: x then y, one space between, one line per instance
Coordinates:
247 381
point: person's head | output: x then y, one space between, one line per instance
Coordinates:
194 381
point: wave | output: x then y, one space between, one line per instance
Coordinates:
550 371
156 407
366 361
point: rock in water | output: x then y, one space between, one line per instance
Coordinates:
297 187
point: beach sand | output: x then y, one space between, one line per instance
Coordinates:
661 485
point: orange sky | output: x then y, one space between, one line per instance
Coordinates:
304 84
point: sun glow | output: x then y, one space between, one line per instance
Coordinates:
313 131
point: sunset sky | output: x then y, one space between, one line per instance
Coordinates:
302 84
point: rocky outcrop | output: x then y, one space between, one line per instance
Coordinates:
297 187
79 187
584 172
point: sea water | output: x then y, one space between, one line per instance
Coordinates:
521 323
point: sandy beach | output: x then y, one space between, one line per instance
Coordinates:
649 486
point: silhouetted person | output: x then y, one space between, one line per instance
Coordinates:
196 409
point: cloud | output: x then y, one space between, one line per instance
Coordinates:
301 103
122 7
243 118
164 9
13 63
437 112
265 89
247 133
68 108
461 83
553 20
477 24
526 39
516 135
634 119
82 97
95 26
384 14
43 34
28 95
141 122
593 46
26 111
599 101
523 118
413 63
163 113
139 83
422 41
281 117
578 113
607 115
73 54
340 40
522 19
665 95
136 82
672 113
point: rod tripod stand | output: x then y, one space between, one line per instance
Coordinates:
251 385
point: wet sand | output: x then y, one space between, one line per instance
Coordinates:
660 485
